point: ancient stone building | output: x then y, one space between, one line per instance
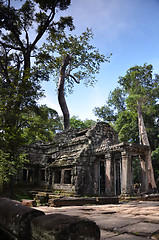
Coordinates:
87 162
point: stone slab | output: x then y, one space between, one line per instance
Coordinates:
71 201
127 237
113 223
141 228
107 235
111 218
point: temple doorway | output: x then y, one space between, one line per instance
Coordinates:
117 177
101 177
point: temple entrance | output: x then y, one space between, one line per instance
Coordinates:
101 177
117 180
136 174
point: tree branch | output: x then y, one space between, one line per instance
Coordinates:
69 75
27 37
43 29
9 46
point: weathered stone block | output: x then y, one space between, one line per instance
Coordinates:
71 201
152 197
42 197
15 219
107 200
64 227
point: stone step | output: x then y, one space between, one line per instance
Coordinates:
70 201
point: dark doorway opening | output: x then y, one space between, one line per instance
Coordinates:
101 177
57 176
117 179
67 177
136 174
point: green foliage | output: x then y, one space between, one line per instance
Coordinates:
116 100
21 28
9 165
47 4
126 126
142 91
138 85
17 96
42 124
6 168
104 113
77 123
85 58
115 104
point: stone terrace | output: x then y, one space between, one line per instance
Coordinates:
134 220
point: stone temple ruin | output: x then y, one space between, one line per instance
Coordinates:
86 162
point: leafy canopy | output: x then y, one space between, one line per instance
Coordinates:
42 124
138 85
78 123
85 58
22 25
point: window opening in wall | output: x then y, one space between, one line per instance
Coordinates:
50 178
50 160
30 175
24 174
27 175
42 175
67 177
57 176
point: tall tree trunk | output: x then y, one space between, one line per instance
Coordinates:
145 141
61 95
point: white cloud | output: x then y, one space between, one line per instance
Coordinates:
109 17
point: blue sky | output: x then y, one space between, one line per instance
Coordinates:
129 29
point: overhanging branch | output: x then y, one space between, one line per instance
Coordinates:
69 75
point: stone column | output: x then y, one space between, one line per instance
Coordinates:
126 174
144 173
108 173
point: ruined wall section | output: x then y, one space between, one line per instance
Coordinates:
35 153
72 151
65 151
63 154
100 136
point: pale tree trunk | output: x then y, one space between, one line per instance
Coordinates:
145 141
61 96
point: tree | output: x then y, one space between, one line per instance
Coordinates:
78 123
115 104
126 126
136 109
16 25
75 60
19 81
142 89
104 113
42 124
